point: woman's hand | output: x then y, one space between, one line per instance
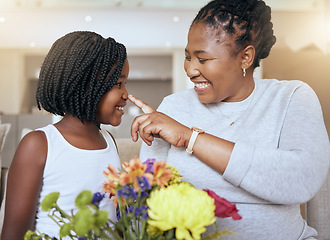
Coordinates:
155 124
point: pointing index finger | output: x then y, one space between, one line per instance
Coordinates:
140 104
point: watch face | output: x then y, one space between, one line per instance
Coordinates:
197 129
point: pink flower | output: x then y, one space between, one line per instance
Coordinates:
223 208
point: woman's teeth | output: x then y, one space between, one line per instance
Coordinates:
202 85
120 108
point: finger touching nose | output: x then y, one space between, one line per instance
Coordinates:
140 104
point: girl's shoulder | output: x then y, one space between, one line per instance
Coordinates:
32 149
34 139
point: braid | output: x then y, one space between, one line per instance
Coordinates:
78 70
249 20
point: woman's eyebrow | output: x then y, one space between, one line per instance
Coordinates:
196 52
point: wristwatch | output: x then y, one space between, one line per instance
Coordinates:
193 137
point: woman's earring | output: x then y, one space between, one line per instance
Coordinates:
244 72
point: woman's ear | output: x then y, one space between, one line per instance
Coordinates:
248 54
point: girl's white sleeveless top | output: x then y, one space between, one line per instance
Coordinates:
69 170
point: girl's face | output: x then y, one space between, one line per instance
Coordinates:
213 68
110 108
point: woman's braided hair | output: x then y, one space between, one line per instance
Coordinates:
248 19
78 70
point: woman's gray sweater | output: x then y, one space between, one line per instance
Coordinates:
280 159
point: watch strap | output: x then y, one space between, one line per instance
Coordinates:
192 140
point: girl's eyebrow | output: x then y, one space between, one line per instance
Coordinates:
122 76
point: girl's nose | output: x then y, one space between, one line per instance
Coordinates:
125 94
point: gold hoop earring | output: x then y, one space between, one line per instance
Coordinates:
244 72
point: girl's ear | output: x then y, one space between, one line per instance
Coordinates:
248 55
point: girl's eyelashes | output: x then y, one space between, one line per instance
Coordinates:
187 58
119 84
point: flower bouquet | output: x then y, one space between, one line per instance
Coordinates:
152 202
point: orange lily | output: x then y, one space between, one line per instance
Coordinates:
162 174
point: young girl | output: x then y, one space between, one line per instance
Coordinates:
82 79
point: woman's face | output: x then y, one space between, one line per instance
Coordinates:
213 68
110 108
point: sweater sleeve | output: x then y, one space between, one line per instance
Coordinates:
295 170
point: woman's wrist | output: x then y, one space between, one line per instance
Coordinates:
193 136
187 136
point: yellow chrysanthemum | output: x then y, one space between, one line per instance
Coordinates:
183 207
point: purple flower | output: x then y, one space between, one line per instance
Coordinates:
138 211
130 209
144 207
127 192
144 183
144 195
145 216
81 238
97 198
150 165
118 214
143 210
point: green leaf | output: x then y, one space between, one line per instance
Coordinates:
65 229
84 198
101 218
170 234
49 201
29 234
83 221
120 226
104 236
217 235
128 235
157 238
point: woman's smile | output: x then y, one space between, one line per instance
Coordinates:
201 87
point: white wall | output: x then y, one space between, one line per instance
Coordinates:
143 32
12 84
18 67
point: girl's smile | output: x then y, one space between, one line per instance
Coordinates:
120 109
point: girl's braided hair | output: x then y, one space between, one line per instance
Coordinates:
249 20
78 70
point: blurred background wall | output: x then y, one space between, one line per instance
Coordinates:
154 32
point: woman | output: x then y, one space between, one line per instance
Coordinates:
263 143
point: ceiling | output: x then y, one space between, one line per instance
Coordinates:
136 23
150 4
